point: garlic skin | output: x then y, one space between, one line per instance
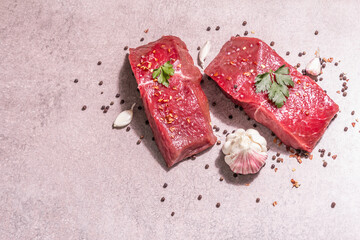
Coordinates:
204 51
124 118
245 151
314 66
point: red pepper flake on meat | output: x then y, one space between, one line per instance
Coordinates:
216 74
188 120
247 74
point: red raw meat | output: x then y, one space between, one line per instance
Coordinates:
179 114
302 120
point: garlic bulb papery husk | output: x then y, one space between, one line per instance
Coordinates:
204 51
245 151
314 66
124 118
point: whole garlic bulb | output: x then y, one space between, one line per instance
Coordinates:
245 151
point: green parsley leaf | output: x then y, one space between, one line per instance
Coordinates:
163 73
263 82
275 84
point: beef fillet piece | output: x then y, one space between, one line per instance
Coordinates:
302 120
178 114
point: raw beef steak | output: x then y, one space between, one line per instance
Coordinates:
302 120
179 114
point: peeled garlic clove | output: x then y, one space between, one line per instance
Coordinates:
245 151
203 53
124 118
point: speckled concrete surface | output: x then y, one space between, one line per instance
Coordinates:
66 174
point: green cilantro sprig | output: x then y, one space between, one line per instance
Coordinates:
275 83
163 73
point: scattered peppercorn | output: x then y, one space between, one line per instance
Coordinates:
83 108
333 204
221 179
76 80
336 63
206 166
244 23
111 103
126 48
193 157
230 116
138 142
99 63
300 54
165 185
246 33
153 138
272 43
257 200
254 125
235 175
344 94
142 137
105 110
147 122
225 131
102 107
272 166
162 199
287 53
273 157
141 39
122 101
101 92
217 28
117 95
172 214
303 53
100 83
107 107
353 112
199 197
128 129
345 129
316 32
214 104
208 28
323 65
218 142
320 79
139 107
218 205
277 154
